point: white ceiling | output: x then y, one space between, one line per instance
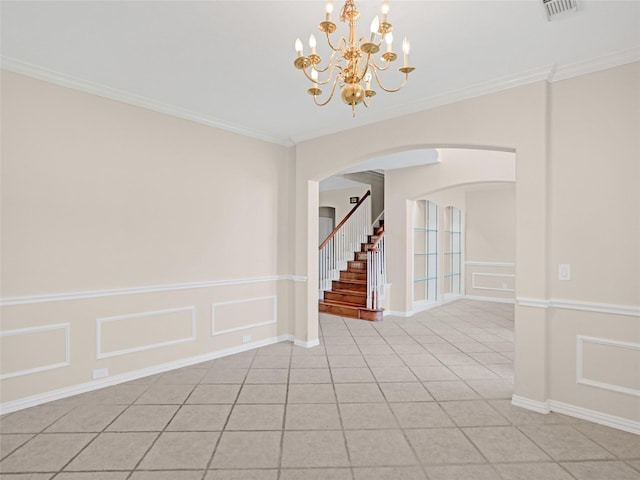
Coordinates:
230 63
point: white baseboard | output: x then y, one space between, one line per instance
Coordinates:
490 299
59 394
594 416
305 344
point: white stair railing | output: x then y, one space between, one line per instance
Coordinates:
376 273
345 239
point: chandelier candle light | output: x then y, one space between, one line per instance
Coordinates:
352 63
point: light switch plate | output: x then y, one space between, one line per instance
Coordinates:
564 271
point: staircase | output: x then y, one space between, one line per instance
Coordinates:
348 294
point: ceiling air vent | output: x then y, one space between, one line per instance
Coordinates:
557 7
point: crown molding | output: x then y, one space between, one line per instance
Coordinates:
604 62
75 83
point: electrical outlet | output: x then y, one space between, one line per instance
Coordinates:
246 338
564 271
100 373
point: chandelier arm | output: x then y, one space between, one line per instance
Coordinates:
323 82
330 64
389 90
340 40
333 90
375 66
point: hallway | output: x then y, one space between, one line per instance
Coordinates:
426 397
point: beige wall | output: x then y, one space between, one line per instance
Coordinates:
576 146
490 242
129 232
339 199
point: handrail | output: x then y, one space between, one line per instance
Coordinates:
344 220
380 235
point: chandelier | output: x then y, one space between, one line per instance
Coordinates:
352 64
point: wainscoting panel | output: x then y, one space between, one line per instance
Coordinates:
234 316
124 334
34 349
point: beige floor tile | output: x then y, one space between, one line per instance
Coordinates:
308 393
316 474
473 372
263 394
123 394
389 473
165 394
282 348
405 392
33 420
500 388
376 349
565 443
463 472
144 418
232 361
344 361
307 416
450 390
10 442
257 450
438 446
341 338
379 448
369 340
309 361
393 374
267 375
409 349
434 373
177 450
349 349
200 418
533 471
182 376
87 418
221 374
92 476
505 444
26 476
358 393
622 444
264 474
419 359
490 358
601 470
167 475
113 451
314 449
421 415
45 452
373 360
211 394
256 417
352 375
405 339
318 350
473 413
309 375
271 361
361 416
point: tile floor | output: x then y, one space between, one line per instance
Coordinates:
410 399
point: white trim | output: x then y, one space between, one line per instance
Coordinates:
151 346
616 59
473 263
60 297
306 344
527 403
479 274
580 379
87 86
490 299
26 331
273 321
594 416
39 399
580 305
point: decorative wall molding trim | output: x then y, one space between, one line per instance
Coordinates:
580 379
580 305
271 321
39 399
616 59
62 297
87 86
594 416
474 275
29 330
472 263
101 321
